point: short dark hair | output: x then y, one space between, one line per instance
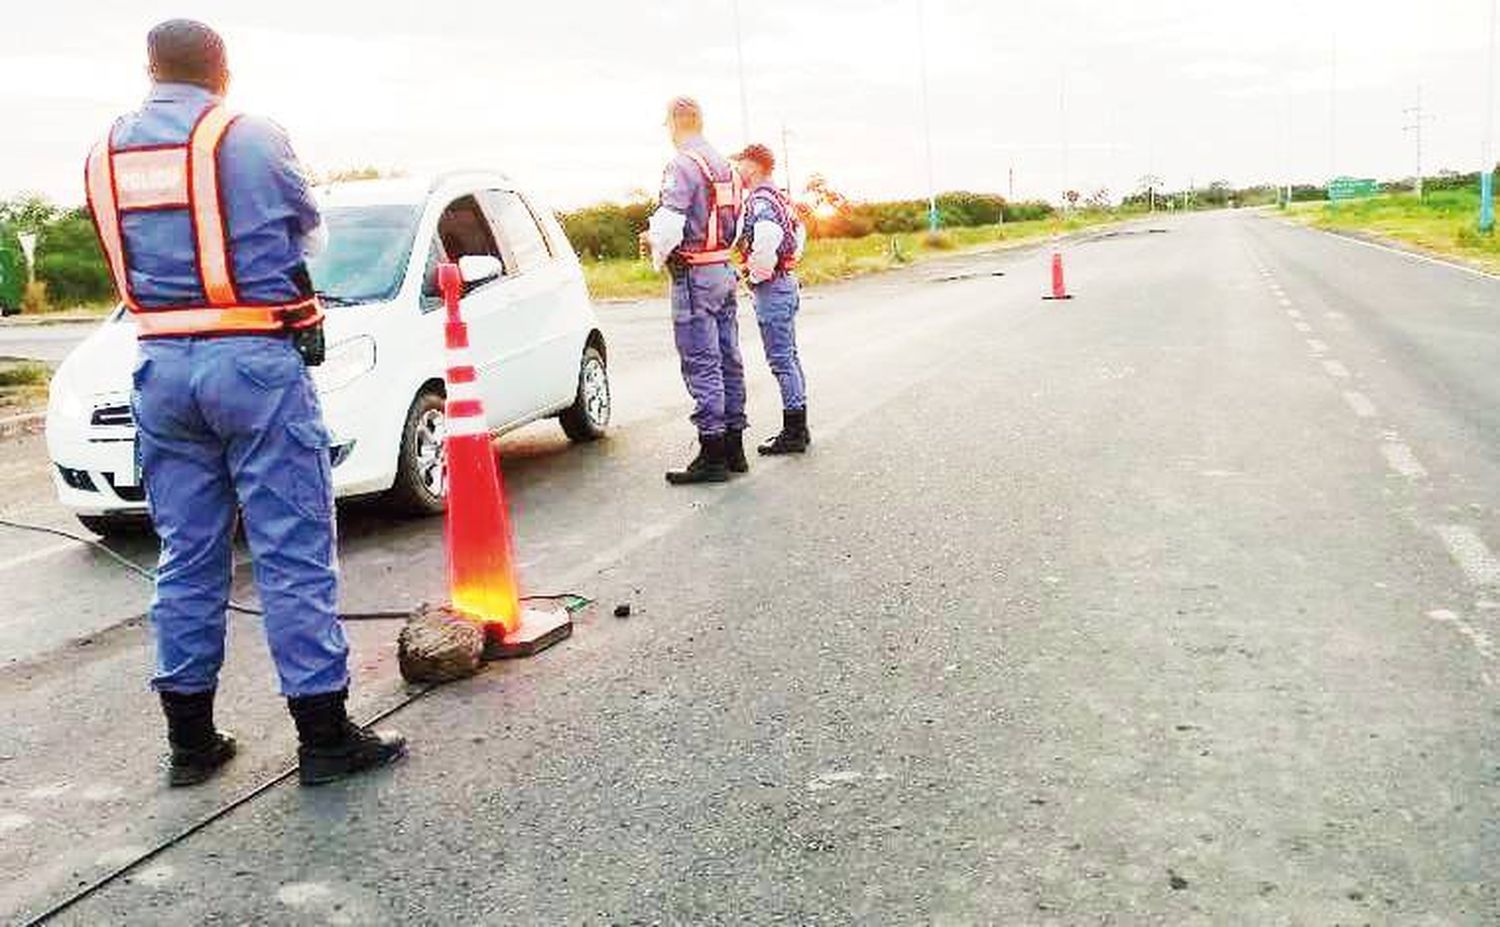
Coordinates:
186 51
758 155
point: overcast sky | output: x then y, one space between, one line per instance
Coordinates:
568 94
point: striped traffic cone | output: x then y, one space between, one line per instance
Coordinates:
1059 287
481 571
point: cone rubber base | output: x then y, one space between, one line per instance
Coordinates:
1069 296
538 631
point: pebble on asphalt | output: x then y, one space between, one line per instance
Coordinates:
622 610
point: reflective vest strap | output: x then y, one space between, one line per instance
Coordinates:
721 195
227 319
209 228
695 258
99 182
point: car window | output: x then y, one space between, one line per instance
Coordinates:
464 231
525 248
367 253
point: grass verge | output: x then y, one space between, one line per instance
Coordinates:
830 259
1444 222
23 386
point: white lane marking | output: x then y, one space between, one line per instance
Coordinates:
297 894
1403 461
155 876
1437 262
1336 369
1286 302
1293 313
1361 404
1302 327
40 553
1334 315
829 780
1471 554
1482 643
1316 346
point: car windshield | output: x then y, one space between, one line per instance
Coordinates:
368 248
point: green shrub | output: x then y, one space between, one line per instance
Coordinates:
12 269
69 262
609 230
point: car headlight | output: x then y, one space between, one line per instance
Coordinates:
346 362
64 403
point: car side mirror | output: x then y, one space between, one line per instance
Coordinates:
479 268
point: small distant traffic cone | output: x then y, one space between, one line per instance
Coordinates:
481 572
1059 288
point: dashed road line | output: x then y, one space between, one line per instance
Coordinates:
1287 303
1316 346
1400 458
1302 327
1336 369
1293 314
1361 404
1471 554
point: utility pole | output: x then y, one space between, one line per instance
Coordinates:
786 163
932 210
1333 110
1418 120
1487 166
739 51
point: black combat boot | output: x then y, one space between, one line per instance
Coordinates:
708 467
734 452
198 748
794 437
333 747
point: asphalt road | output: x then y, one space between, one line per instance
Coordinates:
50 343
1174 603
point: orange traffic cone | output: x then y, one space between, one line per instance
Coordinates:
481 572
1059 288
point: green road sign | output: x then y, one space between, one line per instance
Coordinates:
1349 188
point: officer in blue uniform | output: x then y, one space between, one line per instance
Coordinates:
692 235
771 239
206 219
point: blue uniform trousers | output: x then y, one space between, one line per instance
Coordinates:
226 423
705 319
776 304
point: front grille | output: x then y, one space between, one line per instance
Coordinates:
127 493
77 479
113 416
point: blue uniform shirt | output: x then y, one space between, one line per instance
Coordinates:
684 190
268 207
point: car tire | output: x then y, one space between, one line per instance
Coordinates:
587 418
116 526
421 486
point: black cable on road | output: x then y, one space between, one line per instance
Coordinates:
120 871
572 601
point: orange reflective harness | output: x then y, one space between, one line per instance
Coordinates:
787 218
157 178
722 194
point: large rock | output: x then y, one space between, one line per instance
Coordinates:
439 645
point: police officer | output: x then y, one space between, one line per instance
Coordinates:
771 239
692 234
205 218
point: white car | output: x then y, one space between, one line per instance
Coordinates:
534 338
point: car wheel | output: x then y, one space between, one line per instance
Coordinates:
421 486
116 526
588 417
